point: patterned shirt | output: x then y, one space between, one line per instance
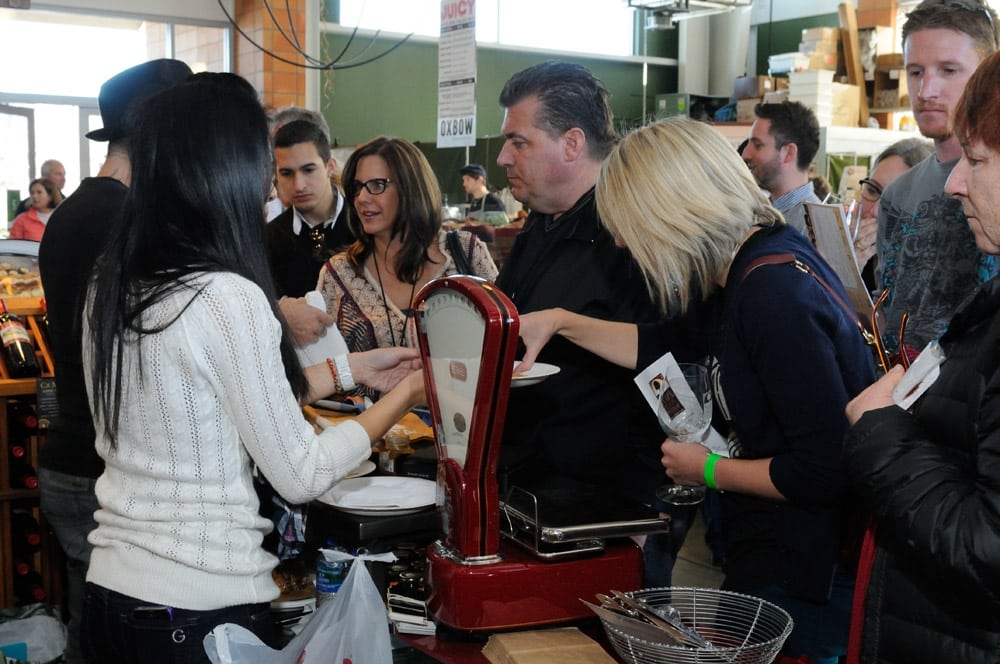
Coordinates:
927 255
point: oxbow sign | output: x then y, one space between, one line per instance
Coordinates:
456 117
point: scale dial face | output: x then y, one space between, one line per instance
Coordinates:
455 332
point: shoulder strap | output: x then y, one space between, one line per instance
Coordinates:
790 259
462 262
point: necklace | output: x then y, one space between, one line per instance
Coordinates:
385 304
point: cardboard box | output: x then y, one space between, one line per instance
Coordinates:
744 109
810 47
776 97
846 105
819 34
780 83
750 87
782 63
889 61
567 644
823 61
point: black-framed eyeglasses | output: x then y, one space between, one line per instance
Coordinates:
375 186
320 251
871 191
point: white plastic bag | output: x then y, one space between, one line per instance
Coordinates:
353 627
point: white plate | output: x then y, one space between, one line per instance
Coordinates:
367 466
539 372
381 495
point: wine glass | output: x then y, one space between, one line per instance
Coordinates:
684 409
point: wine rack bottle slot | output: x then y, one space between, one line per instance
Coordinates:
18 352
31 562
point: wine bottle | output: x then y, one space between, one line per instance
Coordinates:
43 324
28 589
22 422
26 536
21 567
22 475
17 451
18 351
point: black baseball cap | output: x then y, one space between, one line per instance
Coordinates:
475 170
127 88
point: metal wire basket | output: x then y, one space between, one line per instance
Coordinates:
741 629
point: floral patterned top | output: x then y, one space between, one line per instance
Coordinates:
355 300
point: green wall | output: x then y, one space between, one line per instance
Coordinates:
784 36
397 95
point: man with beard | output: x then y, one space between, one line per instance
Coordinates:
782 144
927 255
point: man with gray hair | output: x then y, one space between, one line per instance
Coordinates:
53 171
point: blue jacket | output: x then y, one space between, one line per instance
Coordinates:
789 360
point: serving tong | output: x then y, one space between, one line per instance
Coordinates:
646 621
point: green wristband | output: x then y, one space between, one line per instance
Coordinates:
710 462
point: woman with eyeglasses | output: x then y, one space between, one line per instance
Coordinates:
715 255
895 160
396 215
930 591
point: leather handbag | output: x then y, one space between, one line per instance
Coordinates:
462 260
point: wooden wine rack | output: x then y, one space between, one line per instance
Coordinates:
48 561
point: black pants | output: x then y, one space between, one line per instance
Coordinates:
126 630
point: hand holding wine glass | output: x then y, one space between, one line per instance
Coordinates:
684 410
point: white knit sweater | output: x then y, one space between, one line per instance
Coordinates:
179 522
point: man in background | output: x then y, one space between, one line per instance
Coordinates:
74 238
783 142
276 120
54 172
303 237
927 256
474 184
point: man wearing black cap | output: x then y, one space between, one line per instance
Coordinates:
474 183
74 237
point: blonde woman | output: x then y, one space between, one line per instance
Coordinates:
787 360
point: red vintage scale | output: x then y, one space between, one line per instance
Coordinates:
536 573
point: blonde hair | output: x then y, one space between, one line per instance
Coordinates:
680 199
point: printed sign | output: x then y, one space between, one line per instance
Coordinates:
456 117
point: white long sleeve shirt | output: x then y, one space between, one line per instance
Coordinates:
179 522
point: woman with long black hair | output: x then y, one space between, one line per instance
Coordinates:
193 380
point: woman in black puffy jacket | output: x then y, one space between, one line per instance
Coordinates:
931 589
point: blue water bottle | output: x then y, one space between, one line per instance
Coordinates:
330 575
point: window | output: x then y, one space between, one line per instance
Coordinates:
56 63
600 26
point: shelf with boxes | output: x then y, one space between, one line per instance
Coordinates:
30 559
890 93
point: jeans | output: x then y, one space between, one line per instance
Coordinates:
820 630
126 630
68 503
660 551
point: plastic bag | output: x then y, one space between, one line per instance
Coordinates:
352 628
38 628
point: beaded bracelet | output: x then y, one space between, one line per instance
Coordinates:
338 387
710 462
344 370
